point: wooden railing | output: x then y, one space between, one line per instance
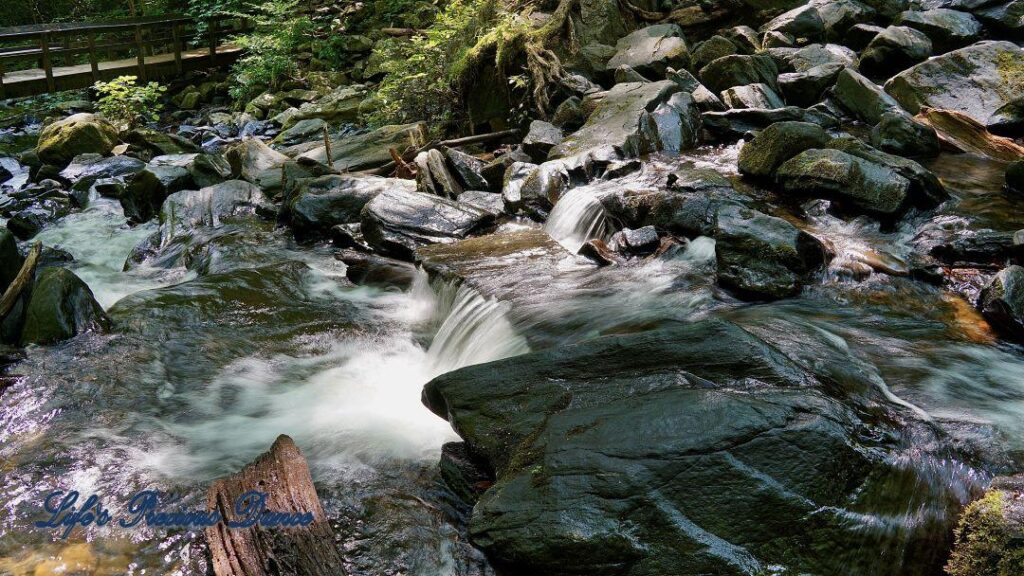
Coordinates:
50 45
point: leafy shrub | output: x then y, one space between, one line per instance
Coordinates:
127 104
270 49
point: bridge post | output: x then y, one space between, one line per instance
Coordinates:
140 53
3 91
44 41
213 42
176 38
93 62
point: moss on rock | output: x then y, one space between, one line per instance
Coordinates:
990 535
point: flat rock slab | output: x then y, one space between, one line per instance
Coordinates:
282 474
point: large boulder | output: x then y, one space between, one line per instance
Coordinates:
61 307
838 16
947 29
697 449
1002 300
142 198
865 185
622 119
82 133
898 133
740 70
86 169
778 143
894 49
925 188
398 221
651 50
806 88
253 161
205 169
370 150
800 22
1007 17
752 96
321 203
862 97
976 80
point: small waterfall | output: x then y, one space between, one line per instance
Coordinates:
472 329
577 218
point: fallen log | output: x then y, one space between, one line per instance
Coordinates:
282 474
411 152
21 281
964 133
399 32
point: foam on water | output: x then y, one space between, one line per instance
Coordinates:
577 218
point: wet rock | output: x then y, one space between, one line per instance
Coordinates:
575 442
777 144
651 50
626 74
82 133
157 143
761 256
925 188
433 177
898 133
947 29
638 242
678 123
86 169
894 49
370 150
806 88
1002 300
490 202
860 35
1006 17
283 476
396 222
321 203
10 259
255 162
733 124
862 97
372 270
800 22
338 107
866 185
540 139
569 115
307 130
598 252
976 80
147 190
467 169
205 169
465 474
1015 177
739 70
977 248
705 99
1008 120
752 96
988 535
622 119
839 16
61 307
515 177
28 222
712 49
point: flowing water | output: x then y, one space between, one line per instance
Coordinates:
204 370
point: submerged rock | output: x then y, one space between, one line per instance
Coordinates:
1002 300
976 80
61 307
82 133
396 222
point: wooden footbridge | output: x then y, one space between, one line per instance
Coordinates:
43 58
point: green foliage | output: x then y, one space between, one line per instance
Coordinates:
985 544
420 81
127 104
270 49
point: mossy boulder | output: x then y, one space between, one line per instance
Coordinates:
712 49
864 99
61 307
947 29
861 184
976 80
778 143
990 535
82 133
894 49
899 133
740 70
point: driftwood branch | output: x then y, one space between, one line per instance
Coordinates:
399 32
454 143
23 279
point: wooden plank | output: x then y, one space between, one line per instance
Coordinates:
44 41
94 64
140 53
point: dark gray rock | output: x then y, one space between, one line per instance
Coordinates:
640 241
800 22
860 35
778 143
1002 300
61 307
678 123
433 176
733 124
396 222
947 29
86 169
540 139
205 169
925 188
569 115
838 16
29 221
898 133
712 49
976 80
1006 17
490 202
739 70
651 50
1015 177
895 49
862 97
1008 120
803 59
324 202
627 74
10 259
467 169
147 190
752 96
806 88
865 185
744 38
